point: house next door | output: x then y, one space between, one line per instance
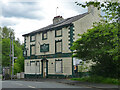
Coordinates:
44 68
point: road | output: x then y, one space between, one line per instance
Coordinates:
37 85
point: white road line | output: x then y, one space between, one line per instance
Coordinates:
31 86
19 84
38 82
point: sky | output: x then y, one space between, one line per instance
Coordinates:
30 15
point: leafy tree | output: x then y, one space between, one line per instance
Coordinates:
101 43
83 67
19 62
7 32
18 52
5 52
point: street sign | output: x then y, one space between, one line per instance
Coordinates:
10 55
15 57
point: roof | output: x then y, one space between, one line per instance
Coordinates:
64 22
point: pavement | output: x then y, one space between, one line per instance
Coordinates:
78 83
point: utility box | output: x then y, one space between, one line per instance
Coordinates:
22 75
18 75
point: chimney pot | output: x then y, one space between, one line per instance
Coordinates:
57 19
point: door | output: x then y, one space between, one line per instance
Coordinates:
44 68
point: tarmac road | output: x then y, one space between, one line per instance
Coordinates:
41 85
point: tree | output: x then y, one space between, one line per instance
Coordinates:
101 43
7 32
18 50
19 62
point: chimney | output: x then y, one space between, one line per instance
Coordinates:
94 10
57 19
91 9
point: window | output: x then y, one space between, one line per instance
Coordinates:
37 67
58 33
37 63
58 46
32 38
58 66
32 62
32 49
25 52
44 35
32 67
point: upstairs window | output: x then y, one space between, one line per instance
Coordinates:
32 49
32 38
58 66
58 46
44 35
58 33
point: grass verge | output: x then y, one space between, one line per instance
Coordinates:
98 79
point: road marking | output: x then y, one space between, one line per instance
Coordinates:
31 86
19 84
38 82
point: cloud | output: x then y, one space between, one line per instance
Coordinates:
26 26
8 21
29 10
25 16
71 8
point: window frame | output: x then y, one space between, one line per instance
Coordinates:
43 35
32 62
56 33
31 50
56 41
61 65
31 38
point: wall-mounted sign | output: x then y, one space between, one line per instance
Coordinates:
44 48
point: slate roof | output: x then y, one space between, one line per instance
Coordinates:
61 23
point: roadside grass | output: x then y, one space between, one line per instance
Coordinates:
98 79
0 76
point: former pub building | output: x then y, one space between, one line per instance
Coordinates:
47 50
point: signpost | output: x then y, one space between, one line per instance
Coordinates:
12 55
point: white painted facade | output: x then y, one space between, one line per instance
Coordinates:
55 62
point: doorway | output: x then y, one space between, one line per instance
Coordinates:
44 68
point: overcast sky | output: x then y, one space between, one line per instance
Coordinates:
29 15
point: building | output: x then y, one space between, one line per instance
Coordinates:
47 50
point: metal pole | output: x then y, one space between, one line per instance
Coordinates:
10 57
56 11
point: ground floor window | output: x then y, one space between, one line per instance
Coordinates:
58 66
